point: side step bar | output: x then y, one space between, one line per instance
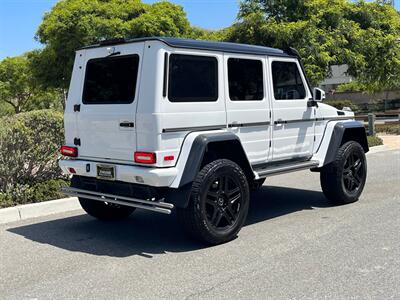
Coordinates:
286 168
157 206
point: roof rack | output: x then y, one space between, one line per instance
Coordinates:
201 45
112 42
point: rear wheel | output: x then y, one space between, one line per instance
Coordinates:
218 203
343 180
105 211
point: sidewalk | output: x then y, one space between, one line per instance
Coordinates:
392 142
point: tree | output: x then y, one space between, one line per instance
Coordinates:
20 90
360 34
16 82
72 24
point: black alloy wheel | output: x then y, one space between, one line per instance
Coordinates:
353 172
343 180
219 202
223 202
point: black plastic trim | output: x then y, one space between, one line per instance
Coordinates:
253 124
194 128
199 147
165 82
310 120
337 137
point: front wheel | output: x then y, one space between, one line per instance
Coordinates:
219 203
343 180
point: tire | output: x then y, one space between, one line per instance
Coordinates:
105 211
343 180
257 184
219 202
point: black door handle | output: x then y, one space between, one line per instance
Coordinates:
127 124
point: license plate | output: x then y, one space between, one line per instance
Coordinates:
106 172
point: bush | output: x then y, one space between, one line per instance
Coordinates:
374 140
29 144
339 104
388 128
25 193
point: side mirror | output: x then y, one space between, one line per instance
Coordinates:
318 95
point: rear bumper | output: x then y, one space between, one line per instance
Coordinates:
157 177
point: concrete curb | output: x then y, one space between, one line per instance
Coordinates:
378 149
34 210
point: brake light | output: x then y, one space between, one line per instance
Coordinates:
69 151
145 157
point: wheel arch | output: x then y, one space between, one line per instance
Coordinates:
344 132
209 147
202 149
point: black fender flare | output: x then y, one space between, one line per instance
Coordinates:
342 133
201 144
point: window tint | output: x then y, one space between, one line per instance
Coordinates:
287 81
245 78
111 80
192 78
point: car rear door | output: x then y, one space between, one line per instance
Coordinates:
106 115
247 104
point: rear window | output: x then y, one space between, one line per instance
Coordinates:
111 80
192 78
245 78
287 81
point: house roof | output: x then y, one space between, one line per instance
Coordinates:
200 45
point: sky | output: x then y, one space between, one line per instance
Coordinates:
19 19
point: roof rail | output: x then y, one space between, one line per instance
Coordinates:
112 41
292 51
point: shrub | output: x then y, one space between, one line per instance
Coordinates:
339 104
374 140
388 128
29 145
24 193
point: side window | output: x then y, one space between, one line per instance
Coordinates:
245 79
192 78
287 81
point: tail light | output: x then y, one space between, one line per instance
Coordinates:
145 157
69 151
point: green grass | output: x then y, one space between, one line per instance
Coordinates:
374 140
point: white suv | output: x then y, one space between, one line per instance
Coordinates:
165 123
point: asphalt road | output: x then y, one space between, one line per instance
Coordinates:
295 245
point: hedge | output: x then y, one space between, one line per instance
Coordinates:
29 144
